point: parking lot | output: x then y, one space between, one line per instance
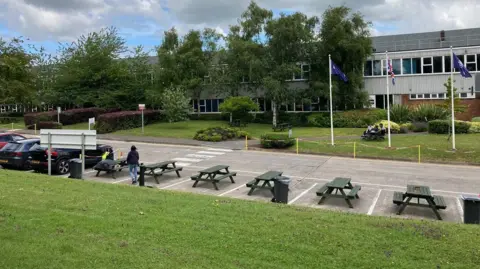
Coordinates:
379 179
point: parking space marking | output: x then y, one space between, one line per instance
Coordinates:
375 200
219 149
460 208
302 194
175 184
200 156
211 152
187 160
232 190
182 164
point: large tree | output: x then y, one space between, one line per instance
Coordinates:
17 80
344 35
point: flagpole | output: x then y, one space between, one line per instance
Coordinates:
388 102
452 95
331 106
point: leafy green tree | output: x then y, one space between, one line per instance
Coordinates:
17 79
344 35
175 104
45 71
239 107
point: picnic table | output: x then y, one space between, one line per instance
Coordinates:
281 127
339 184
151 170
435 202
266 178
111 166
214 175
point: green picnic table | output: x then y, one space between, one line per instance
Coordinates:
266 178
339 184
111 166
214 175
434 202
166 167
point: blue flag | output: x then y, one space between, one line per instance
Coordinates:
457 64
336 71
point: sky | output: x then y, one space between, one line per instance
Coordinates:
142 22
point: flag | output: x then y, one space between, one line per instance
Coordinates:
390 69
336 71
457 64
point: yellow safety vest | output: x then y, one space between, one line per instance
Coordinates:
105 155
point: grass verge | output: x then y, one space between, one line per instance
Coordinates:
50 222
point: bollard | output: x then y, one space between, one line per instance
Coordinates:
354 149
418 153
297 146
35 125
246 142
141 178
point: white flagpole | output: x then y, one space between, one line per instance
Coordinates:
452 95
331 106
388 102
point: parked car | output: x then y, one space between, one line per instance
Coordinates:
15 154
61 158
5 138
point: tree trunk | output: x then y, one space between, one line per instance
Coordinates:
274 110
231 117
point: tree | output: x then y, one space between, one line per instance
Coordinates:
238 107
45 71
447 104
176 105
17 80
344 35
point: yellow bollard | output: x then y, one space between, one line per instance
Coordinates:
354 149
246 142
418 153
297 146
35 125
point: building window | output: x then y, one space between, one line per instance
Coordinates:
427 66
407 66
416 66
437 64
202 105
315 104
215 105
471 62
368 69
207 79
397 66
298 105
463 95
304 72
413 96
377 68
441 96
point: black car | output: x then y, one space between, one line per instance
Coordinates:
15 154
61 158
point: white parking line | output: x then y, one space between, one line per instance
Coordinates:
122 180
200 156
232 190
219 149
375 200
175 184
182 164
211 152
187 160
302 194
460 208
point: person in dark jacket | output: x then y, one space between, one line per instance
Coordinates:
132 161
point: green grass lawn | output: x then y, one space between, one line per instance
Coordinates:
432 148
19 124
48 222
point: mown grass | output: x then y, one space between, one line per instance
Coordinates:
48 222
432 148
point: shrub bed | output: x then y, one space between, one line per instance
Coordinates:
394 127
67 117
443 126
46 125
474 128
272 140
348 119
6 120
124 120
217 134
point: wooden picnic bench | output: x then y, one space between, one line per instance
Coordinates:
339 184
266 178
214 175
434 202
281 127
111 166
166 167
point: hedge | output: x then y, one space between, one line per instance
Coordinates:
443 127
46 125
273 140
216 134
67 117
124 120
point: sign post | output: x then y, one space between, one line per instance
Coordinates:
90 121
141 107
59 110
49 152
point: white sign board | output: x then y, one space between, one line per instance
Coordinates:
91 121
59 109
70 139
141 106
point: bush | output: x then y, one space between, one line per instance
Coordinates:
7 120
405 127
216 134
394 127
239 107
443 127
399 113
474 127
46 125
419 126
276 141
476 119
124 120
428 112
67 117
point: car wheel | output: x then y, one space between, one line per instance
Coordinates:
63 167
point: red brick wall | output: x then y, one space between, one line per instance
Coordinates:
473 109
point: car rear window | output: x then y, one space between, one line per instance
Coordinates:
11 147
4 138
